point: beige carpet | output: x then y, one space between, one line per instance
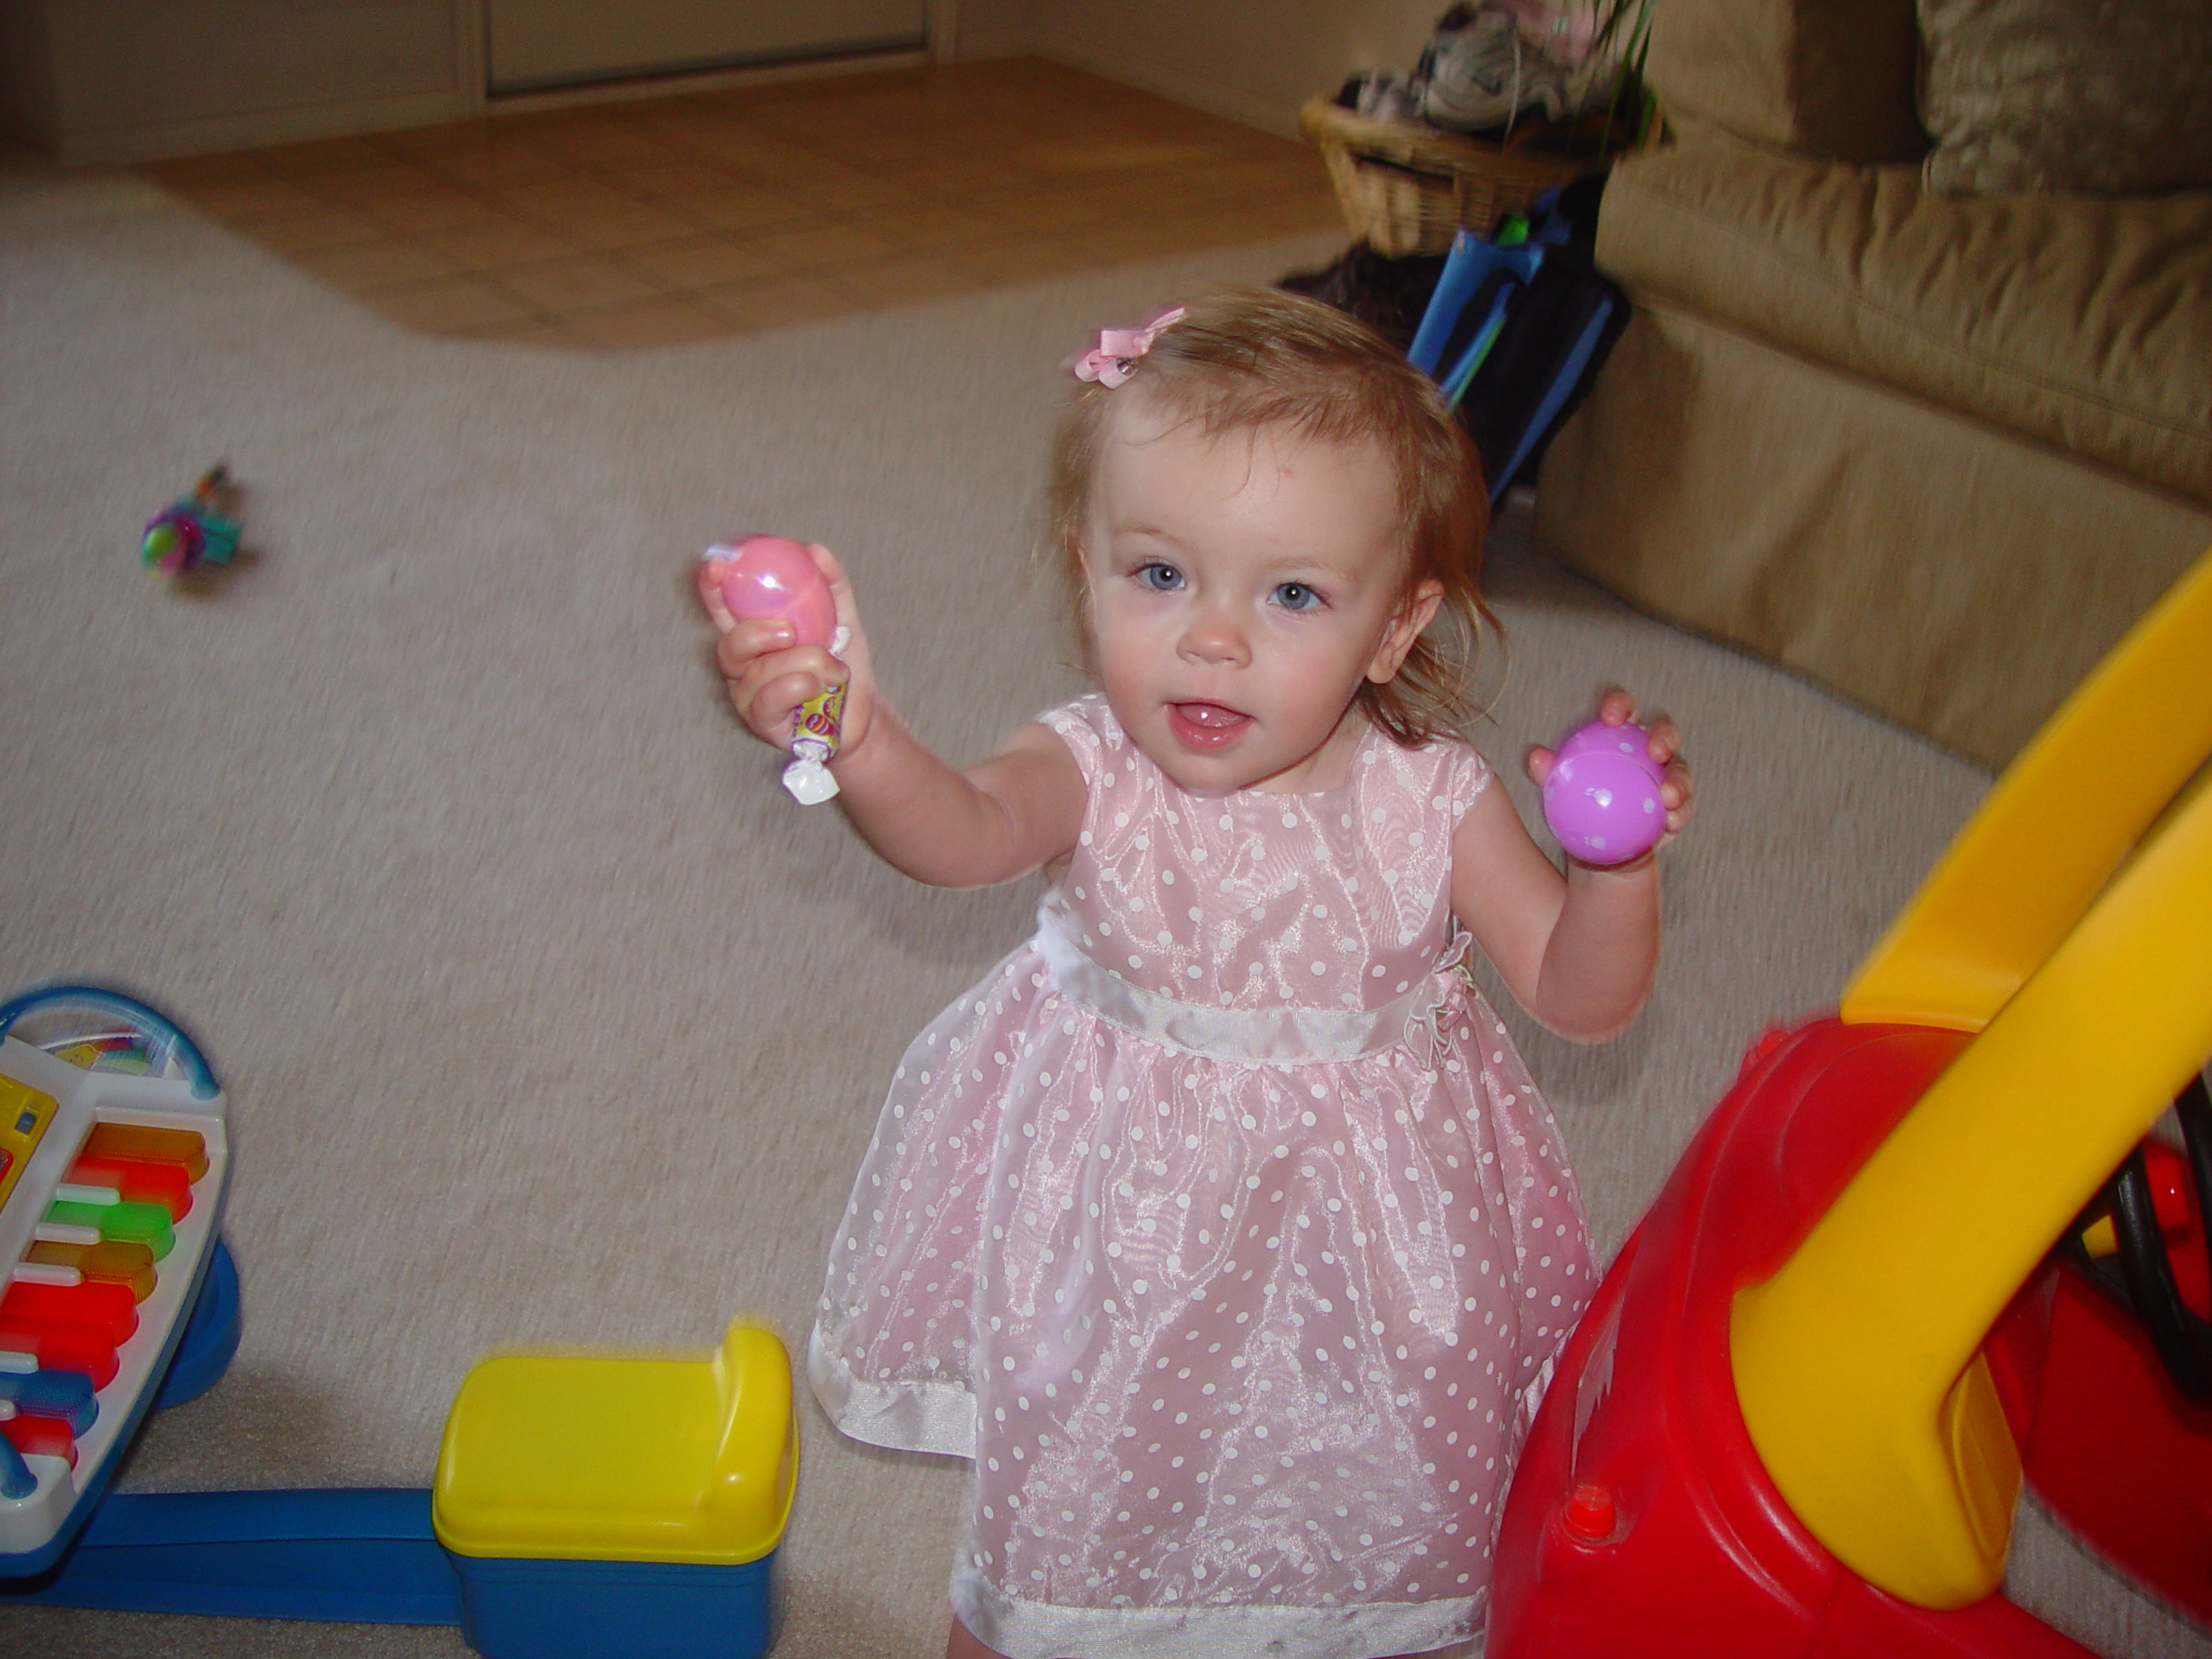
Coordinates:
545 1017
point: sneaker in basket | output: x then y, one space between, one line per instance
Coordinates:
1383 95
1482 74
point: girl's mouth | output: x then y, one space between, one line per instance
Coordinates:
1205 725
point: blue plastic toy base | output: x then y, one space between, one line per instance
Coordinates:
360 1555
211 1334
369 1555
615 1610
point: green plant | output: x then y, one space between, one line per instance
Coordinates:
1624 33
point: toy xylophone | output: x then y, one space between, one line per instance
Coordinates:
113 1161
119 1297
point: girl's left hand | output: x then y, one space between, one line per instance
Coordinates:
1617 707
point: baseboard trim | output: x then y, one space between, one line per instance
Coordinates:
973 45
1197 91
251 129
638 88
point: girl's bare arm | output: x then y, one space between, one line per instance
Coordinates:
1577 950
1018 810
1011 814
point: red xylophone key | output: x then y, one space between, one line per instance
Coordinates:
61 1347
35 1435
137 1181
109 1309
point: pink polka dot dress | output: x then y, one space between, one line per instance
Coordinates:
1222 1228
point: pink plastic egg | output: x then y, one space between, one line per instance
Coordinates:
776 576
1602 798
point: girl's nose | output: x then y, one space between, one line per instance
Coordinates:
1213 637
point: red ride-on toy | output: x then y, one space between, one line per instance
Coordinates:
1794 1420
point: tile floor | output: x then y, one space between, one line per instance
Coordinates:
683 218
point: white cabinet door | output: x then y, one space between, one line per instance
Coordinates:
539 43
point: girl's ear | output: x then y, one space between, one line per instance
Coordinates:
1413 614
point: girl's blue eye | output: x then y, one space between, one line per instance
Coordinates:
1159 577
1296 596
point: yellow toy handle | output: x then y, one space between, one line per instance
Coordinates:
1856 1364
2052 830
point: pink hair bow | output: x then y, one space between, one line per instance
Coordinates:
1118 350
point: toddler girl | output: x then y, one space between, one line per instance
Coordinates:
1220 1224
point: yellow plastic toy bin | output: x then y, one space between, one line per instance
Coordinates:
603 1508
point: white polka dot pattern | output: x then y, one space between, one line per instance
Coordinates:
1235 1335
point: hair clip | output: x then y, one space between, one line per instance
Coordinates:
1119 349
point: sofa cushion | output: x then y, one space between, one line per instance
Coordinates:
2085 322
1834 79
1943 573
2055 95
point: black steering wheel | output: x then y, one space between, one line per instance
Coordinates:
2138 1276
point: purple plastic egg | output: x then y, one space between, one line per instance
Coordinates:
1602 798
1624 740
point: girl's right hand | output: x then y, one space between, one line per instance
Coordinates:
768 677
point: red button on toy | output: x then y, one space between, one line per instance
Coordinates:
1590 1514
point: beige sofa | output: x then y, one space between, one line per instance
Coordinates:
1933 451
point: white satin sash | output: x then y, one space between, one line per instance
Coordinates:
1271 1036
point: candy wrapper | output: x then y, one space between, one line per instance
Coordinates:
815 730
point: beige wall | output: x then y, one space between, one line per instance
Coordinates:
127 79
123 79
26 109
1255 63
989 29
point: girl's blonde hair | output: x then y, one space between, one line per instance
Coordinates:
1244 359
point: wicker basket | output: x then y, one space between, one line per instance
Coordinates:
1407 189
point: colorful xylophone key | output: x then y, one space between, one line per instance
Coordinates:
109 1309
114 1261
185 1147
69 1327
68 1396
34 1436
135 1180
97 1208
60 1348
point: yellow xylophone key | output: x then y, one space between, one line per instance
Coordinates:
113 1260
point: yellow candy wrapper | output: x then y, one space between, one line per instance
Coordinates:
815 729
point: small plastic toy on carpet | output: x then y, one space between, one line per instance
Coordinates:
192 531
